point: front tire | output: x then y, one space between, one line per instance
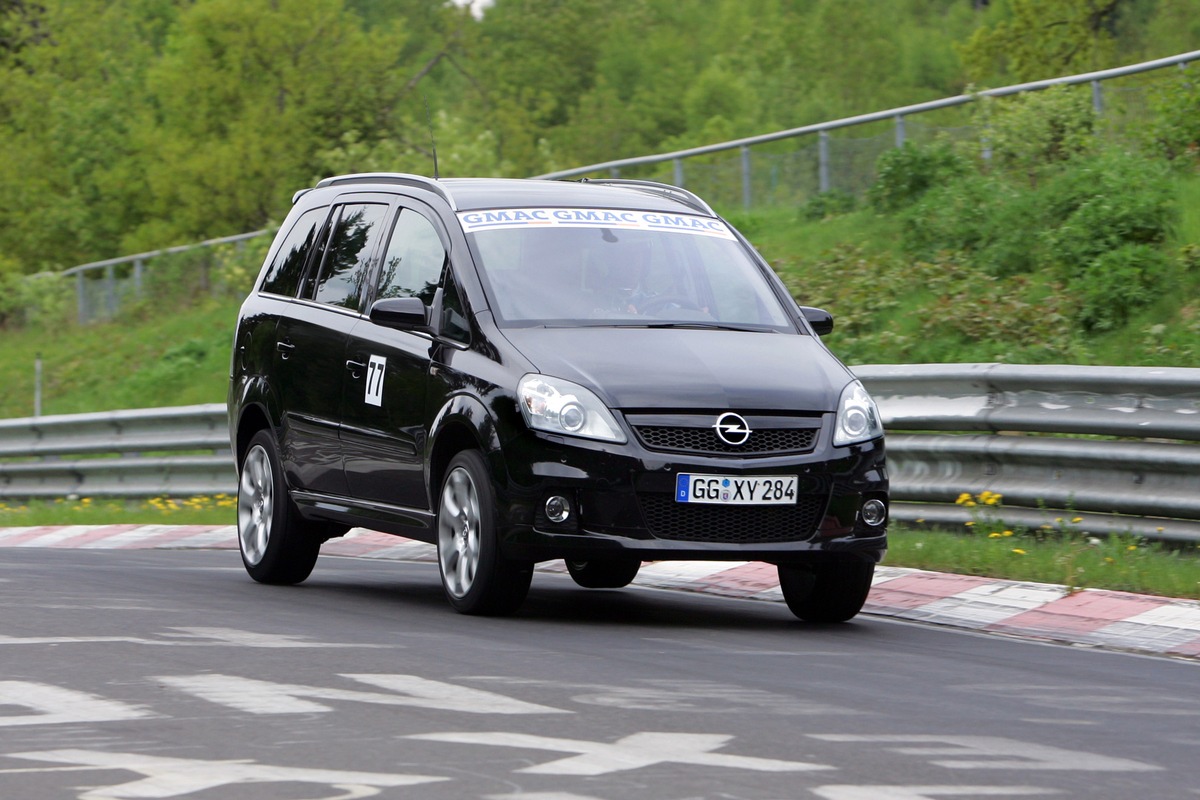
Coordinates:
277 546
477 579
604 573
828 591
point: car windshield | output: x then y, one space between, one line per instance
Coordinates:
569 267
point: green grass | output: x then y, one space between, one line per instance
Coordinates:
202 510
1077 561
173 356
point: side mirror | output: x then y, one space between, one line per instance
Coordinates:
820 319
401 313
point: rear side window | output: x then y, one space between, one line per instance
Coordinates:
351 244
283 276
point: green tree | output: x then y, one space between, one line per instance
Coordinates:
246 97
70 103
1036 39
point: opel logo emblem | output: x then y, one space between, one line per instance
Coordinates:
732 429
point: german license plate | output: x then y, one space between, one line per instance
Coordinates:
736 490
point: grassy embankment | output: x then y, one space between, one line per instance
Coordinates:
889 309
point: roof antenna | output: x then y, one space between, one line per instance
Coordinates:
432 141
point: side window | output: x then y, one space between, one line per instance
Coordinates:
454 313
351 242
414 260
283 276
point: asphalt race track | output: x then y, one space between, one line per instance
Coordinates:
168 673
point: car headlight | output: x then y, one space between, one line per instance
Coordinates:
857 417
554 405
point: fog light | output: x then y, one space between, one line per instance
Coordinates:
874 512
558 509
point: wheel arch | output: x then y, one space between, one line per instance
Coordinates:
253 418
464 423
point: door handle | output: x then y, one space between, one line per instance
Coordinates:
355 368
285 348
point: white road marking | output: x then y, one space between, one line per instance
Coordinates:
631 752
176 777
925 792
264 697
996 753
233 636
195 637
56 706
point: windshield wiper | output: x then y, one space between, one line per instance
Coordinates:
715 326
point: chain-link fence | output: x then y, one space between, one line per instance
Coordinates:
795 166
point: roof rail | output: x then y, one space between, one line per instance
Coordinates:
400 178
664 189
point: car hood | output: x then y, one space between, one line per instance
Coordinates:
639 368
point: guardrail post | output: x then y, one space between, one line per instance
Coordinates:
746 177
899 130
823 161
678 165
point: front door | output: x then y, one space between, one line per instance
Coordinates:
384 408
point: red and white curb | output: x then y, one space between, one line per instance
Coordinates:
1090 617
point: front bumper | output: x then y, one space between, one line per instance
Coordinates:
622 501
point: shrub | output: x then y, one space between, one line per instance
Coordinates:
984 217
1115 283
905 174
1173 129
828 204
1105 202
1036 130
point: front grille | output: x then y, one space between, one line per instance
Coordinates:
720 524
772 441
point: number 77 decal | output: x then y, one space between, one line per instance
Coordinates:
376 369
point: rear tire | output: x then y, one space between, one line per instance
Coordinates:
277 545
477 579
604 573
830 591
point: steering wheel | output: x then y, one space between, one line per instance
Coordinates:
661 301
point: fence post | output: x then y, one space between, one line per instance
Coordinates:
1097 98
80 299
678 164
138 267
37 385
110 290
899 130
746 191
823 162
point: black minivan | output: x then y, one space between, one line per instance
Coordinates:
604 372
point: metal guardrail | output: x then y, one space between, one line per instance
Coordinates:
1116 448
1098 449
181 451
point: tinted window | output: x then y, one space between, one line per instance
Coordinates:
351 243
414 260
283 276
